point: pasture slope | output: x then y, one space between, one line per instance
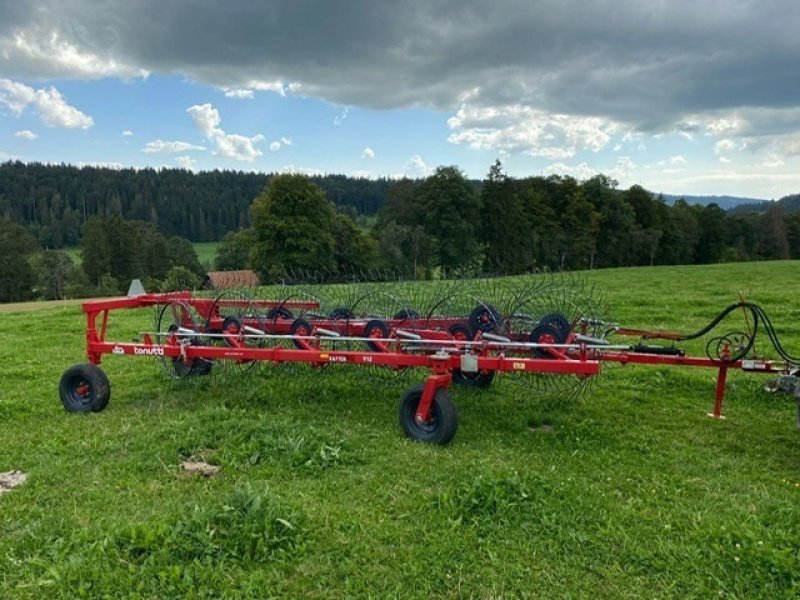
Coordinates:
629 492
206 253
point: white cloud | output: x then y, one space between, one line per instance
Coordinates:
678 159
414 168
724 125
517 128
99 164
302 171
26 134
623 169
206 118
278 144
724 146
47 102
241 94
49 55
788 145
170 147
361 174
16 96
341 116
55 111
367 153
772 161
249 89
186 162
580 172
724 159
127 133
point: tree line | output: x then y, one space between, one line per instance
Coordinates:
54 202
441 225
113 253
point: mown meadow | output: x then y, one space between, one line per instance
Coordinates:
628 491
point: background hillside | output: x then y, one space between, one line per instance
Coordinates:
53 201
724 202
141 224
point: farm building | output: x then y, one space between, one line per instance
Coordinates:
224 280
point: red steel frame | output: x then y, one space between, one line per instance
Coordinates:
583 361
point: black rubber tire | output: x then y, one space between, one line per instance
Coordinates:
296 326
486 318
376 325
279 312
444 417
406 314
342 313
559 322
475 380
201 367
84 388
544 331
459 331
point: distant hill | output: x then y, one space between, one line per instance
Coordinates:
790 204
724 202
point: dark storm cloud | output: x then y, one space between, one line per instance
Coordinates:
645 63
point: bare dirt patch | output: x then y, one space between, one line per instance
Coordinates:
11 479
199 467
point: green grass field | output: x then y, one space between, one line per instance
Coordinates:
206 252
629 492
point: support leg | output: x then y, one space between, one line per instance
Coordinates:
432 383
719 397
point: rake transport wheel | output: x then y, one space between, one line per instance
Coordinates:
479 380
84 388
443 422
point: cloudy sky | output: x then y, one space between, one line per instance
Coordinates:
681 97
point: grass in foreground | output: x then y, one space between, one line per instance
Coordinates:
629 492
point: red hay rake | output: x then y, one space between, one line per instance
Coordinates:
453 344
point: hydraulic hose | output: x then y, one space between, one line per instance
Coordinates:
759 316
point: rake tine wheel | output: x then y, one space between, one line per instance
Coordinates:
177 323
233 316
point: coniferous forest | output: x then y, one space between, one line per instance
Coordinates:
138 223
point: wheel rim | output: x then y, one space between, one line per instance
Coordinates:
230 331
545 334
485 318
378 331
301 328
79 391
427 428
